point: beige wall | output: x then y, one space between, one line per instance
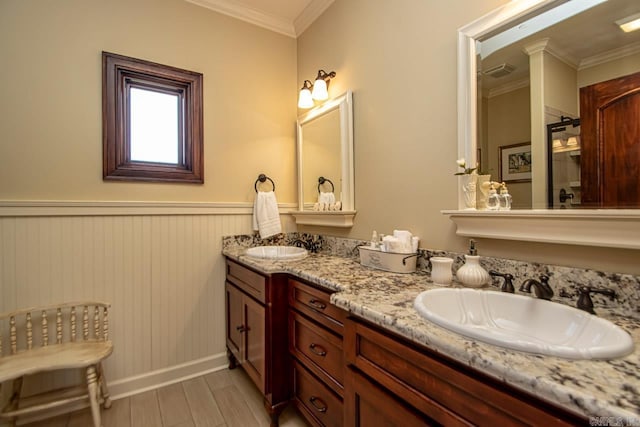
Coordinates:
400 60
50 97
560 82
509 122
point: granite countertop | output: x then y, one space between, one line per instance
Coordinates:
591 388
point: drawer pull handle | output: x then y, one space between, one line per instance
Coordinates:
317 304
320 408
320 352
241 328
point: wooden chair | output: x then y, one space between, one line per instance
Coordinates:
79 339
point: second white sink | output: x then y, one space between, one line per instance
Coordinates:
277 252
524 323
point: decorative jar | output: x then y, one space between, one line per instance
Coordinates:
471 274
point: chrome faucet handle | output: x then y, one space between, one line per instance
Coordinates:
507 284
584 297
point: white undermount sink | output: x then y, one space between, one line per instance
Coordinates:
277 252
524 323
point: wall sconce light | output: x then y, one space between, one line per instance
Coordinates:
305 100
317 91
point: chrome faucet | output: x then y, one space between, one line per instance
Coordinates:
541 288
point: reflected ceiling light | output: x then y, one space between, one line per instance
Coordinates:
630 23
317 91
304 99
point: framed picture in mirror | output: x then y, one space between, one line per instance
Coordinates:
515 162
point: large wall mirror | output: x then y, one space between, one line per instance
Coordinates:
325 163
522 68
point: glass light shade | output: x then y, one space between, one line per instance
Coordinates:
320 90
305 100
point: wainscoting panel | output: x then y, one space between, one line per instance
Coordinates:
162 273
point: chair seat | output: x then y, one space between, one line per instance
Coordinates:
57 356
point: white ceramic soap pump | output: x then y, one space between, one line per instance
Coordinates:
471 274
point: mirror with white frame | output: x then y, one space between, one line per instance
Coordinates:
474 41
325 163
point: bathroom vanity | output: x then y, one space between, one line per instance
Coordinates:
256 312
361 355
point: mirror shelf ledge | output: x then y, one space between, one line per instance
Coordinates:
616 228
340 219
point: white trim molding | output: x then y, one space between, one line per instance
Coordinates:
250 15
119 208
341 219
265 19
170 375
310 14
615 228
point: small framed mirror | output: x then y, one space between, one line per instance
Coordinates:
325 164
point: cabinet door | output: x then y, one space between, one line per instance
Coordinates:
235 323
254 341
367 404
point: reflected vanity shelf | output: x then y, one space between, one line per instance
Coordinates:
314 159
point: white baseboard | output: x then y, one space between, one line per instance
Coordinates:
163 377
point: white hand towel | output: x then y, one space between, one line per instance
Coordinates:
266 218
328 198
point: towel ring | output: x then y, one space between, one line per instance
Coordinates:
322 180
262 178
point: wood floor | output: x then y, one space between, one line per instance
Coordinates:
224 398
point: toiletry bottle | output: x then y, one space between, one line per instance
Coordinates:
374 240
493 200
472 274
505 198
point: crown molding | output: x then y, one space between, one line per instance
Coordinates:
310 14
611 55
267 20
508 87
250 15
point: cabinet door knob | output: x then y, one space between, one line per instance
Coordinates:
317 349
317 304
240 328
321 407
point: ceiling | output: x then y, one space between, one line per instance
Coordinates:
583 40
288 17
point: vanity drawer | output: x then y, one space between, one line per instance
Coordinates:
248 280
319 404
318 349
315 303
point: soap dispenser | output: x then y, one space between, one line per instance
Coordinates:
505 198
471 274
493 199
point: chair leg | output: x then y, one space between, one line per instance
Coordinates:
103 387
92 386
15 398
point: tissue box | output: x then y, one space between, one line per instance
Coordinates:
388 261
